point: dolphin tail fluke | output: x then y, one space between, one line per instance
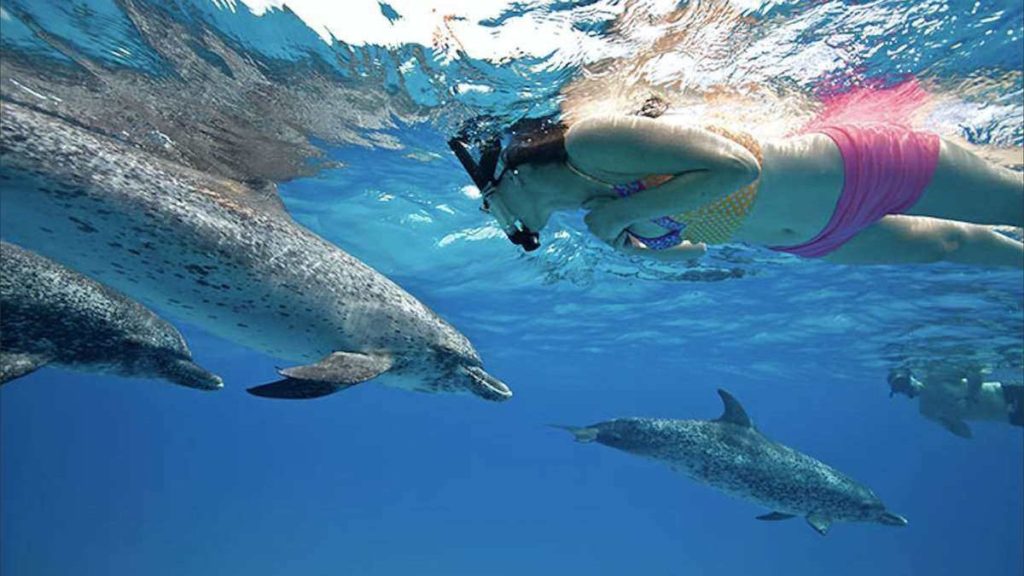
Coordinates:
293 389
582 434
1014 396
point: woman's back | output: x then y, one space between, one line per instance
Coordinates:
801 179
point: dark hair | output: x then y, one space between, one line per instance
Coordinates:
542 140
536 141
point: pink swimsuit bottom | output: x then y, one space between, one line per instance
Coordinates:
885 169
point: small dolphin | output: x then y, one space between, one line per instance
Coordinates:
51 315
225 256
731 455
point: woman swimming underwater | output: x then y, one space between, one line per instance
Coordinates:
855 193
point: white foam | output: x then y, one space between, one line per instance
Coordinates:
442 23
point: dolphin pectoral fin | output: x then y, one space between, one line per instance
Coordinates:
820 523
341 368
582 435
292 389
734 412
958 427
334 373
17 364
774 516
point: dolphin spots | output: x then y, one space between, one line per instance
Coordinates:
730 454
52 315
230 259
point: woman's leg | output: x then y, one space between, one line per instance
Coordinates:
918 239
966 187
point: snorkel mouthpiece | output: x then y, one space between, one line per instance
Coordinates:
901 382
483 175
528 239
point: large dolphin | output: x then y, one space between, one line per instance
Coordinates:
224 256
731 455
52 315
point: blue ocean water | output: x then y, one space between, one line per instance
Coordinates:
104 475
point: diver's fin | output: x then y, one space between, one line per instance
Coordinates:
582 434
1014 396
820 523
17 364
973 385
958 427
775 516
734 413
332 374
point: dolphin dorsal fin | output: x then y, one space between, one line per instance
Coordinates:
734 413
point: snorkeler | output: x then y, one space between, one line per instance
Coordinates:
850 193
949 398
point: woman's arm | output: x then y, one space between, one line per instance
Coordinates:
680 253
630 244
706 165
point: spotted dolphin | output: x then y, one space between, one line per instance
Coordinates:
731 455
52 315
225 256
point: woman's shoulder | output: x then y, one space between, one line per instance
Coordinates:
625 123
608 133
595 143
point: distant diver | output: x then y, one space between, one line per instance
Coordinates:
950 396
731 455
50 315
853 193
226 257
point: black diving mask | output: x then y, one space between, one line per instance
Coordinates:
486 176
901 382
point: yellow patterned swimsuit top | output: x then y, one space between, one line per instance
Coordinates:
713 223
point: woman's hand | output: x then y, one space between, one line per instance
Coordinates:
682 252
604 219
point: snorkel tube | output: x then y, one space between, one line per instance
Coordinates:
483 175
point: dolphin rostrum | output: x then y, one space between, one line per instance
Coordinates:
731 455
